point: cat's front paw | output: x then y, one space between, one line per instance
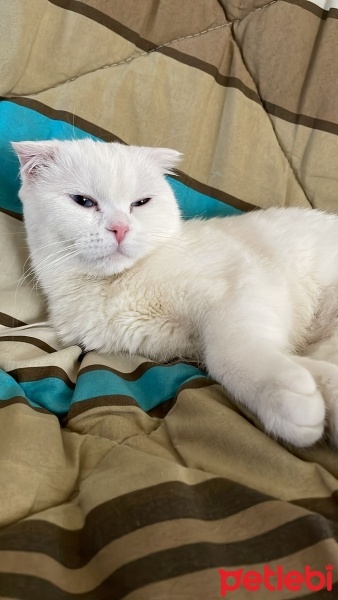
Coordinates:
330 393
326 376
294 408
328 385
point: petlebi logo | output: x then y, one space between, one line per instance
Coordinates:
276 579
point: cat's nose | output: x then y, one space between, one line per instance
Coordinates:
119 231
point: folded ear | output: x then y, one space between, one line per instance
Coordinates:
33 155
166 158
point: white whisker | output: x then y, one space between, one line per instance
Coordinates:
40 266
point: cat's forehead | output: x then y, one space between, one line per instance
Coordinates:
108 170
114 160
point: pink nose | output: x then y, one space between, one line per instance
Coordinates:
119 231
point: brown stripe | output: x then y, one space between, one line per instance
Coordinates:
27 587
328 507
28 340
299 119
118 587
184 19
191 558
161 410
11 213
67 117
36 373
99 402
132 376
163 536
137 373
109 22
195 384
163 565
9 321
214 193
210 69
21 400
106 136
292 89
209 500
323 594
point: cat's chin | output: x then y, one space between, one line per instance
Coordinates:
114 261
109 265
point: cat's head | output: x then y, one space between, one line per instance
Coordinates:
107 203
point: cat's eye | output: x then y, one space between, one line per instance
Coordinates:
83 200
140 202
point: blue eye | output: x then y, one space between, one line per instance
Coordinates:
140 202
83 201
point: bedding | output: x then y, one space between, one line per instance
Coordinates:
120 477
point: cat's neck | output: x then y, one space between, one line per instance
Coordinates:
68 273
70 276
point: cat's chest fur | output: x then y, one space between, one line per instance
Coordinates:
135 312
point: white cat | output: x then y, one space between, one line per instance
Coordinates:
253 296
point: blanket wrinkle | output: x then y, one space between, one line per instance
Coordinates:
279 142
136 56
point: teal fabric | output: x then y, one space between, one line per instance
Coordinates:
9 388
156 385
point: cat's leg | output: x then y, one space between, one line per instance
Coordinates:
322 361
252 363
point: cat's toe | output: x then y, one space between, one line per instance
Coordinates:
326 376
330 393
298 419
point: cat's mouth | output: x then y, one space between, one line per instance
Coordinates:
118 251
106 263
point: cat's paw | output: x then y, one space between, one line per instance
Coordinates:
293 408
330 394
326 376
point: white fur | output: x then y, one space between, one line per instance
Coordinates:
253 296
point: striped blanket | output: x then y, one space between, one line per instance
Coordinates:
121 478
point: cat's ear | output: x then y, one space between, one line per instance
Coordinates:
166 158
34 155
